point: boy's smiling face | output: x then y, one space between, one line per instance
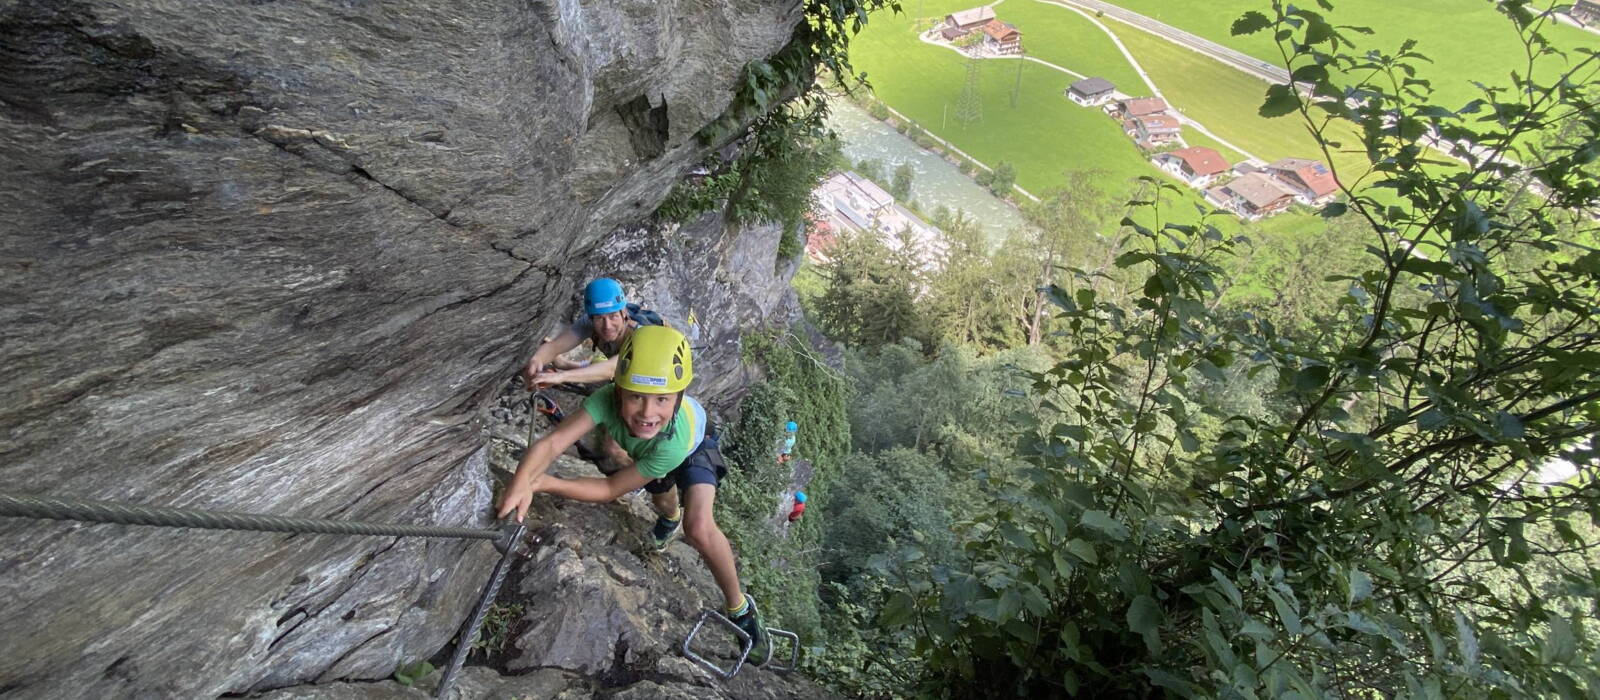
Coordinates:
644 415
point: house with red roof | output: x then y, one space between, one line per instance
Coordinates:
1136 107
1313 182
1196 165
1001 38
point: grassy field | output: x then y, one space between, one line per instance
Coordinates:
1466 39
1226 100
1044 136
1070 40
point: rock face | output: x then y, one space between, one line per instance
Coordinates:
278 257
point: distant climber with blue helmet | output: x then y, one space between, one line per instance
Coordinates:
786 453
607 320
672 452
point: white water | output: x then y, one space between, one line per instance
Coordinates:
937 182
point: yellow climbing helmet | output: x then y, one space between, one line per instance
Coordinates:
654 360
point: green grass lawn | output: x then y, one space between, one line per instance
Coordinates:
1467 39
1044 136
1070 40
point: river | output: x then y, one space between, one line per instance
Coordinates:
937 182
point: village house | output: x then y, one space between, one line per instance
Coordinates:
1136 107
1253 196
1001 39
1153 130
961 23
1090 92
1312 181
1197 165
1585 11
847 202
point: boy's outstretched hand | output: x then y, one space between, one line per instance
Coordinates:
517 498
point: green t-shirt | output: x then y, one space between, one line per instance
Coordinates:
657 456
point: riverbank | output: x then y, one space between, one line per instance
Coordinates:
937 182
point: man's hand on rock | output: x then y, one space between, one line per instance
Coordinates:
544 378
536 376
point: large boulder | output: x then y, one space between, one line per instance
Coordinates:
278 257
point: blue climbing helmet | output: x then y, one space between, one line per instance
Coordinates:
791 426
799 497
603 296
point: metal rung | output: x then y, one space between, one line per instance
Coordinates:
794 651
745 643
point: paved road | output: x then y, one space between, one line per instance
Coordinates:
1249 64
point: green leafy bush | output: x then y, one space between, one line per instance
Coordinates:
780 567
1371 527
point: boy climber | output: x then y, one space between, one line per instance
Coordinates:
664 434
607 319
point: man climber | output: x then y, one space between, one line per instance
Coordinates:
607 320
671 450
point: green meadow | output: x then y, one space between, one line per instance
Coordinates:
1195 138
1070 40
1043 136
1467 40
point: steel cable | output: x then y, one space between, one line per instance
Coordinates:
53 508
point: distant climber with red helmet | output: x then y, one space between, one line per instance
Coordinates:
672 452
799 508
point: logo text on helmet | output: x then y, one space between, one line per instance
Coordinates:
647 380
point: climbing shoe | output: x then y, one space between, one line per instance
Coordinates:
666 530
752 624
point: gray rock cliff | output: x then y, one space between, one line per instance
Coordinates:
279 257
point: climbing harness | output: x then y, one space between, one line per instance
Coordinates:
506 539
745 644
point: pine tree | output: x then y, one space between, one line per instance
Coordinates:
900 186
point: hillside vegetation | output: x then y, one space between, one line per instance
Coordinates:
1087 464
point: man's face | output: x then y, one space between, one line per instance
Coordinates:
645 414
610 327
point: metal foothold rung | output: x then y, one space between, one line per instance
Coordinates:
794 651
745 644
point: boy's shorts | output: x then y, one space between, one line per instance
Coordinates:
703 466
